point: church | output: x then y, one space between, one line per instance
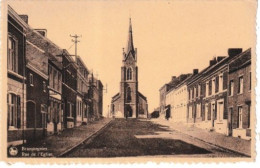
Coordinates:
129 102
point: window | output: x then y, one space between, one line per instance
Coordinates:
210 88
190 111
213 86
207 89
240 111
231 88
217 84
198 90
14 110
198 110
12 59
44 87
220 82
70 109
128 94
240 84
129 74
31 79
55 79
220 110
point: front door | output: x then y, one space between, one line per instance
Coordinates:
230 116
129 111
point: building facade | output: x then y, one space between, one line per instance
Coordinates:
69 89
82 90
37 90
239 96
129 102
16 78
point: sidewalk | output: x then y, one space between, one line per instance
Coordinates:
231 143
59 144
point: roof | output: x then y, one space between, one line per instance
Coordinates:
115 97
141 95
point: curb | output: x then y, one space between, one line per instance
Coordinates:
88 137
223 148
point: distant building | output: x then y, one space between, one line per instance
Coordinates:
155 113
82 89
239 95
176 99
69 89
129 102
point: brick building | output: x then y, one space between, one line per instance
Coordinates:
54 83
239 95
16 78
69 89
37 90
82 89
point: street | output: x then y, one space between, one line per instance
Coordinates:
142 137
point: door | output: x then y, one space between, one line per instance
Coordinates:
230 118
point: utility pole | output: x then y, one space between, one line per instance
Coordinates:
76 41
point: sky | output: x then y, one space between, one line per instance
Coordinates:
171 37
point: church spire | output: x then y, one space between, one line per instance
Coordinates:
130 45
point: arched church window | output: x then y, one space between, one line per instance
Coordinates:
129 74
128 94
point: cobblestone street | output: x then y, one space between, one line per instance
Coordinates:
137 137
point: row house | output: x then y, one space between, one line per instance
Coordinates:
16 77
195 95
52 64
69 89
82 105
176 99
239 96
47 90
209 99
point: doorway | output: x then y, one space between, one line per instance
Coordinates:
230 117
129 111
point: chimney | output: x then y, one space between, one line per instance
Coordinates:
213 61
24 18
173 78
195 71
234 51
43 32
219 58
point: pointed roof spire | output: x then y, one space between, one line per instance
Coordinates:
130 43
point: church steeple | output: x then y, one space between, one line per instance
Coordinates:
130 43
